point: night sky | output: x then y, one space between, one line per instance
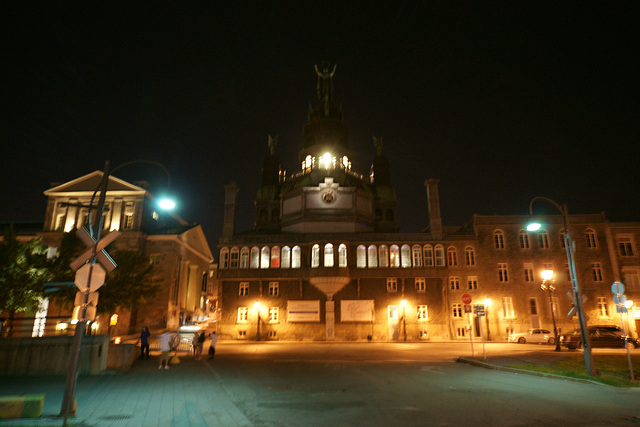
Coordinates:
500 101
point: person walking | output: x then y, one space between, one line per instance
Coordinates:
144 343
212 344
165 348
197 343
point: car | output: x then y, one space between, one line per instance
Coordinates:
536 335
604 336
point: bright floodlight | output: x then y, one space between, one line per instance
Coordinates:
534 226
628 303
487 302
257 305
547 274
167 204
403 302
326 159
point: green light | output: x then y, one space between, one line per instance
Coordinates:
534 226
166 204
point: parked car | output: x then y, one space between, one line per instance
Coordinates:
601 337
537 335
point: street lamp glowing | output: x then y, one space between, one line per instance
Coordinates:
166 204
403 302
547 274
628 303
257 305
534 226
487 302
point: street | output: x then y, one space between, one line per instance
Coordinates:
322 384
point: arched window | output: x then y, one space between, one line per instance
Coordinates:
543 239
342 255
590 236
469 255
394 256
286 257
295 257
264 257
498 239
361 257
244 257
452 256
328 255
383 256
372 256
416 251
439 256
315 256
428 256
406 256
523 238
234 258
255 257
224 258
275 257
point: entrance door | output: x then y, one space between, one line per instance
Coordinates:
394 323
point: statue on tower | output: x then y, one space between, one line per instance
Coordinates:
325 85
273 143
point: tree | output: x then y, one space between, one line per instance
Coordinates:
23 271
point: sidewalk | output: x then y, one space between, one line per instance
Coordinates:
188 394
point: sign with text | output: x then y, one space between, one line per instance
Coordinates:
303 311
356 310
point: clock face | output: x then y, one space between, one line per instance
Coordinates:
328 196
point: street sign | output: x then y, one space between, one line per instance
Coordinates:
466 299
480 310
103 257
80 297
97 277
617 288
467 308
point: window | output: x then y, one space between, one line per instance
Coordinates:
452 256
503 272
528 272
423 314
264 257
543 239
523 238
275 257
533 307
154 259
596 270
461 331
392 284
631 279
286 257
383 256
295 257
274 315
507 308
469 255
274 289
243 289
234 258
328 255
563 233
244 257
224 258
342 255
454 283
255 257
603 307
406 256
361 257
421 285
372 256
394 256
590 238
625 246
498 239
439 256
416 252
457 310
472 282
428 255
315 256
243 314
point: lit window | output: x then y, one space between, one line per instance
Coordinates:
507 308
416 251
603 307
274 289
421 285
498 239
274 315
457 310
423 314
406 256
295 257
264 257
392 284
361 257
224 258
372 256
234 258
275 257
243 314
439 256
428 256
328 255
255 257
342 255
452 256
394 256
383 256
523 237
315 256
243 289
286 257
469 255
244 257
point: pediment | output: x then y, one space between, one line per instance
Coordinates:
90 183
195 239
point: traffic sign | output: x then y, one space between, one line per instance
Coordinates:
97 277
467 308
479 310
103 257
617 288
466 299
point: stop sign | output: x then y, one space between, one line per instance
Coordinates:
97 277
466 299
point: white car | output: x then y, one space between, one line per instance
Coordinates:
537 336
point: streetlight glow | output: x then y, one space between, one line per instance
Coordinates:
166 204
547 274
534 226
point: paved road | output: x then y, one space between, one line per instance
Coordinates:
275 384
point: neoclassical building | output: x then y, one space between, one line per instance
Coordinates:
326 261
178 250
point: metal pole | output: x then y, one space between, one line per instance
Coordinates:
553 318
471 332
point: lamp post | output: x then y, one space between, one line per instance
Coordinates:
568 244
403 303
257 306
487 303
547 285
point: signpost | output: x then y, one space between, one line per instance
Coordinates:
480 313
466 300
617 289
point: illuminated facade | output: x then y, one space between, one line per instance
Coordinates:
326 260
